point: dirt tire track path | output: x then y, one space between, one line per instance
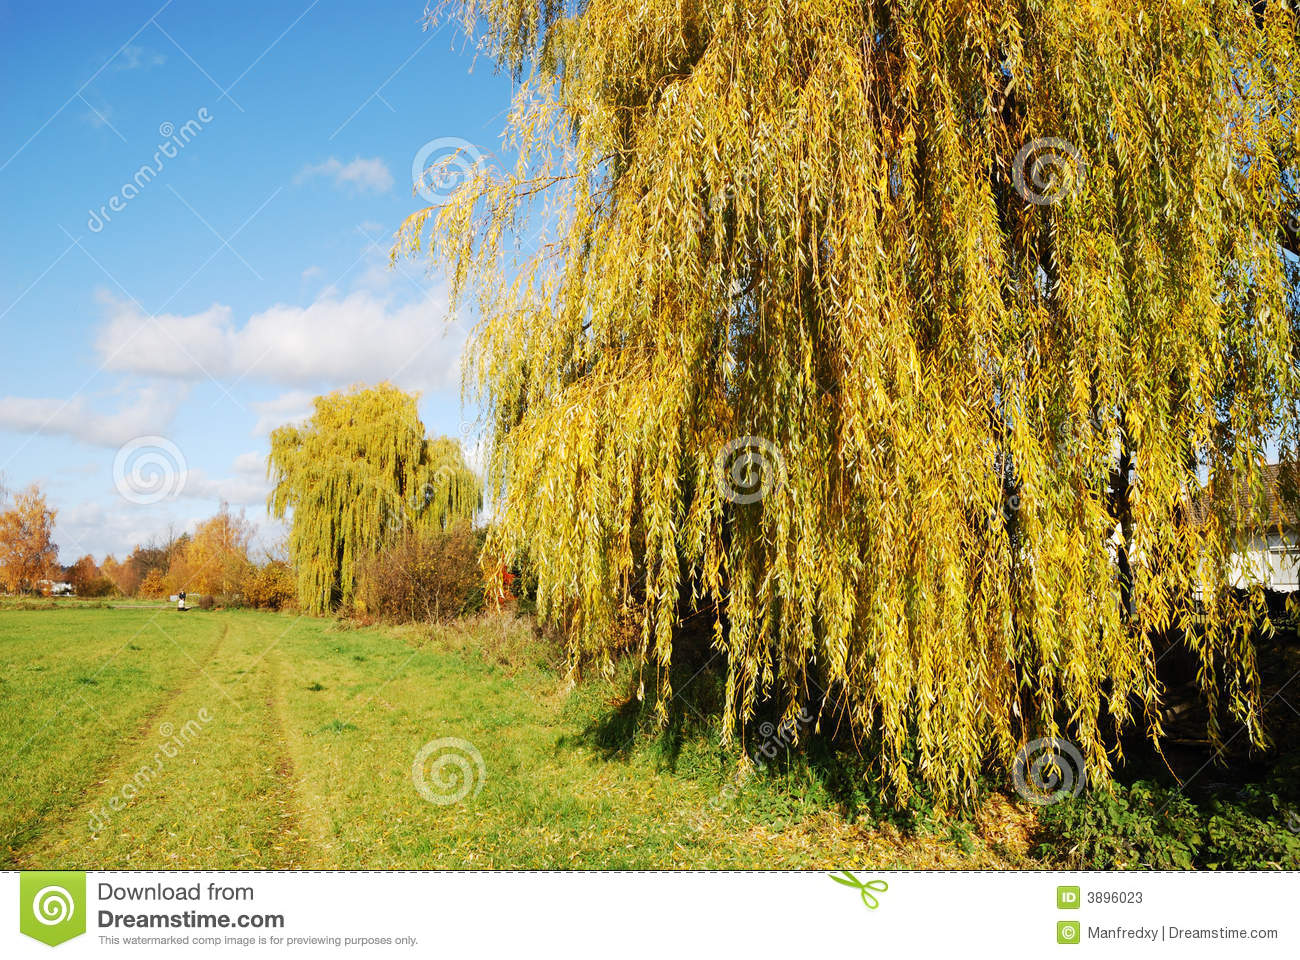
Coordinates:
308 837
114 770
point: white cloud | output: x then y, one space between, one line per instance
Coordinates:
362 173
134 57
251 464
150 413
100 529
291 407
247 486
91 527
364 336
117 525
240 491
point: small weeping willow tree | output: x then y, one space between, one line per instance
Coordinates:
933 348
358 474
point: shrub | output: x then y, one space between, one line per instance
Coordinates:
153 586
97 587
424 576
1149 826
271 586
206 602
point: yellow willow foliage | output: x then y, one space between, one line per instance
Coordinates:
357 475
988 291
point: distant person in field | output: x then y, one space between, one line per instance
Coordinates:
180 600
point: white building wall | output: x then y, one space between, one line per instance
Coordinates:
1270 560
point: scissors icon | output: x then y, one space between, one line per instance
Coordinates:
863 887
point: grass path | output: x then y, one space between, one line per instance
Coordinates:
299 738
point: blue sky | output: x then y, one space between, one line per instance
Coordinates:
157 326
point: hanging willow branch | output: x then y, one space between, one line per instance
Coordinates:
984 292
356 475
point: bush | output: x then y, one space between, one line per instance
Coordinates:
206 602
98 587
154 586
425 576
1154 827
271 586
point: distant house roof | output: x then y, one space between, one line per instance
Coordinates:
1281 492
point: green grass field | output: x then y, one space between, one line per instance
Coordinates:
141 737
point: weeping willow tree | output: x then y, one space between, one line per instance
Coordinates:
930 348
358 474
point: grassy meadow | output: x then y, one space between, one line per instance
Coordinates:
276 741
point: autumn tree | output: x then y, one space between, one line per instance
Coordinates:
894 338
81 573
87 578
154 586
357 475
215 559
27 550
124 576
271 586
157 554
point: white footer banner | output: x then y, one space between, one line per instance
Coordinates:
651 915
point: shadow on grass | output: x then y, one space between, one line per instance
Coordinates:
626 725
822 771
